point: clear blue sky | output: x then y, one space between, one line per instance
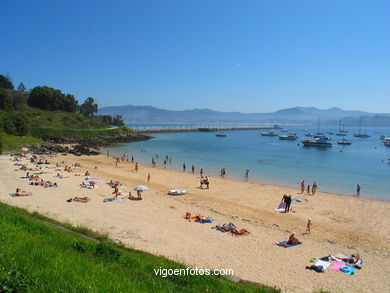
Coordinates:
243 55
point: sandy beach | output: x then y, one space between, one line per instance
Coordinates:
341 224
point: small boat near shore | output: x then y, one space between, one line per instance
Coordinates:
220 135
386 141
318 142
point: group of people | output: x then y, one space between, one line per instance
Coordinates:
204 181
313 189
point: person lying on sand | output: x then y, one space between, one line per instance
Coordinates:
22 192
79 199
234 231
202 219
292 239
354 258
226 227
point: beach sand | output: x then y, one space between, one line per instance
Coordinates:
341 224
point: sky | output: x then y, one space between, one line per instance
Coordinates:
243 55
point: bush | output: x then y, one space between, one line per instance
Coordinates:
21 124
5 101
8 124
14 281
106 249
80 245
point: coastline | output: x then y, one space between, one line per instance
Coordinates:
154 225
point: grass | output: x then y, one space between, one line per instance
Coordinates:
12 143
38 256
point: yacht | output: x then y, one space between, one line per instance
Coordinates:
318 142
290 136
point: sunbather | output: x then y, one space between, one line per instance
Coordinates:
226 227
202 219
239 232
354 258
22 192
79 199
292 239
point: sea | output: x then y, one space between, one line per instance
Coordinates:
337 169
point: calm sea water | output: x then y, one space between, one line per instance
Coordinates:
272 161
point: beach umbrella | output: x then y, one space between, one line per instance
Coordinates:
24 149
141 188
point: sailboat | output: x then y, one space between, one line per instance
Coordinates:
360 134
341 132
320 134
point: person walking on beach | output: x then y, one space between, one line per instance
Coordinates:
308 226
136 167
193 169
358 189
201 182
287 200
308 189
165 163
314 188
207 182
148 180
302 186
132 158
184 167
201 172
247 173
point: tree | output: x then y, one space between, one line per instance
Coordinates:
118 120
89 107
21 87
5 82
47 98
21 124
5 101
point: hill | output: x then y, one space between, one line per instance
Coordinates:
149 114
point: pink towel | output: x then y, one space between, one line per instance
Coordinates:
337 265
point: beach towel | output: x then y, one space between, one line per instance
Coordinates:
347 269
324 264
337 265
209 220
285 244
112 199
281 207
297 200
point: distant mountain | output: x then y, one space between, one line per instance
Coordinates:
149 114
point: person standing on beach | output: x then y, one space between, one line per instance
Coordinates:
193 169
358 189
132 158
302 186
247 173
201 172
287 199
314 188
148 180
108 153
308 189
184 167
165 163
207 182
308 226
136 167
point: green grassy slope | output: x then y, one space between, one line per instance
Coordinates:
38 256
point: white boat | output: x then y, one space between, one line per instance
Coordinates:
290 136
269 133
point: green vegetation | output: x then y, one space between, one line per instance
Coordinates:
12 143
47 113
38 256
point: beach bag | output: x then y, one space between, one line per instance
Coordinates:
188 215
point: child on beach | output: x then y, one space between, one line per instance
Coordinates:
308 226
148 177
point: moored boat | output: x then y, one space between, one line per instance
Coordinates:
220 135
269 133
318 142
344 142
387 142
290 136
